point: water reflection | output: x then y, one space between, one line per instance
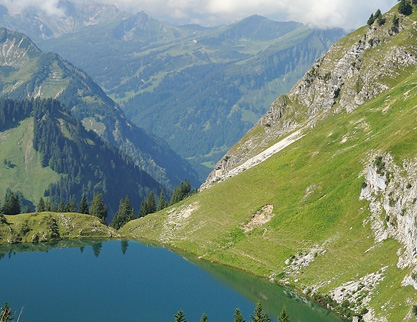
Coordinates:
10 250
272 296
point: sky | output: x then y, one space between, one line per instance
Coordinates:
347 14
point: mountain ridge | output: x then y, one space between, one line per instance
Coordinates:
332 214
41 74
161 75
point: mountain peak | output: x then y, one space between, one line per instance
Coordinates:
16 48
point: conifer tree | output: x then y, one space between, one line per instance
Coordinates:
405 8
161 202
6 314
83 205
72 205
179 317
124 214
148 206
181 192
204 318
371 19
41 205
284 317
260 316
11 205
61 206
238 317
98 208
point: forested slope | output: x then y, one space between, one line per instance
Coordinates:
79 162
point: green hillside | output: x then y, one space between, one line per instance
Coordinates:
51 227
332 214
46 152
25 71
200 89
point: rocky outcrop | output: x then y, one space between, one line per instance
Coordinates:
392 194
354 70
15 50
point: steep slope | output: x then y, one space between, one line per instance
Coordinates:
200 89
333 213
356 69
27 72
47 152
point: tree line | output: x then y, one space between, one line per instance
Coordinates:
7 315
97 207
85 163
258 316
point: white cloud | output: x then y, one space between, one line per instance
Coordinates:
50 7
324 13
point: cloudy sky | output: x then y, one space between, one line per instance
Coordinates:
347 14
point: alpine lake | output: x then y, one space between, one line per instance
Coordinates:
128 281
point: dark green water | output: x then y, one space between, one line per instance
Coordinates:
88 281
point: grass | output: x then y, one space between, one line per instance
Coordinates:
49 226
329 159
25 163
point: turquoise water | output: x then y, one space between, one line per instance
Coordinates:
88 281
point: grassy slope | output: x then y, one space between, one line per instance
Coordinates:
331 161
22 228
25 163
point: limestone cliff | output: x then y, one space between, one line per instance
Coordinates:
355 69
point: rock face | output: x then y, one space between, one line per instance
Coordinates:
392 193
15 51
354 70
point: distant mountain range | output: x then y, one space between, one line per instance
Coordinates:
25 71
198 88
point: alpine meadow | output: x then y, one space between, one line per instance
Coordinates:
270 149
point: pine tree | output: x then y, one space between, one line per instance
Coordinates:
11 205
284 317
61 206
72 205
124 214
161 202
259 315
83 205
405 8
98 208
179 317
148 206
371 19
238 317
181 192
6 313
204 318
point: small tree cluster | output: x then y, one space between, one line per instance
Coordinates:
405 8
11 204
148 206
259 316
98 208
181 192
376 17
47 205
124 214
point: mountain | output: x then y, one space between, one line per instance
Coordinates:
71 17
200 89
321 193
47 152
25 71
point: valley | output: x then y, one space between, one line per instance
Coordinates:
317 192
